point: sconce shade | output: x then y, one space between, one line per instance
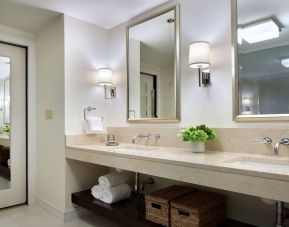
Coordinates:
199 55
104 77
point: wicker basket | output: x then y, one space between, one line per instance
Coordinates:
199 209
158 203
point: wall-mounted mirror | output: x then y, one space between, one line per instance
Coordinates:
5 123
153 68
260 36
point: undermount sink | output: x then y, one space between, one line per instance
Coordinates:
131 149
259 163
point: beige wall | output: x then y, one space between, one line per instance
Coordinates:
211 105
50 95
86 50
68 51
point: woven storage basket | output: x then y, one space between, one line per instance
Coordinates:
158 203
199 209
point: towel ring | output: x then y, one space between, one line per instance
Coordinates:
89 109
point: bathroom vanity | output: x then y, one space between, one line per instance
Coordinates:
237 172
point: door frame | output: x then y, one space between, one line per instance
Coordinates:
155 88
26 112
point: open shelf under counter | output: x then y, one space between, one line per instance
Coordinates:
130 212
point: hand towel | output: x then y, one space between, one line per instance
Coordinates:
116 194
112 179
97 192
95 123
93 126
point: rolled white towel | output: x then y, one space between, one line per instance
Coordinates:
97 192
112 179
116 194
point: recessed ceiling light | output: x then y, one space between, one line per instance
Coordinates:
285 62
260 31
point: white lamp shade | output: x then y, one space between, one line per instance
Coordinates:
104 77
285 62
199 56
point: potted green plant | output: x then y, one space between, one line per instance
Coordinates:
198 136
7 129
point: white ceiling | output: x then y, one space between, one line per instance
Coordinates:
264 63
250 11
262 60
26 18
104 13
156 49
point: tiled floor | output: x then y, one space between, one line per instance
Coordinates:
34 216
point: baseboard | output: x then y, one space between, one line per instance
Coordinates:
63 216
75 213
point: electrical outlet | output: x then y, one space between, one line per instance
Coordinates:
48 114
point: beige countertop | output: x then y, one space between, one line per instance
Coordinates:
210 160
4 137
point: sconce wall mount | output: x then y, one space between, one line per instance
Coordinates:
199 58
105 80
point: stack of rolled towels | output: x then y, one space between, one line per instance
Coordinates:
112 188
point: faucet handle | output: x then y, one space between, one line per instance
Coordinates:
156 136
266 140
285 141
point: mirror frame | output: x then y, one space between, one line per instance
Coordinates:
236 113
177 74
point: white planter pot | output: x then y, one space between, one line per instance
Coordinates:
198 147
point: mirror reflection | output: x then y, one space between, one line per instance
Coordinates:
151 68
5 163
263 57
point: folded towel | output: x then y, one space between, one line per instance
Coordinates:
97 192
89 130
116 194
112 179
95 123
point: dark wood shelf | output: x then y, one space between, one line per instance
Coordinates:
5 172
130 213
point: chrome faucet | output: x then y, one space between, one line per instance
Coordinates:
140 186
284 141
141 136
156 136
132 111
149 136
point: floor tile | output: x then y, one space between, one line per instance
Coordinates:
34 216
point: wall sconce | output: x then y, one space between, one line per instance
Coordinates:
105 79
199 58
246 105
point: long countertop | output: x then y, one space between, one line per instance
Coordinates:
209 160
4 137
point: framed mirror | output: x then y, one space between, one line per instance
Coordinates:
260 43
5 162
153 68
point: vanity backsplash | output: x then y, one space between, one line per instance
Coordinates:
242 140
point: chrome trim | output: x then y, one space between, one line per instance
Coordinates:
284 141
